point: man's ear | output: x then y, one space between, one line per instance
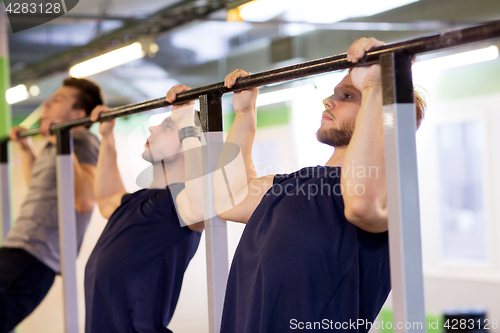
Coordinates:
80 112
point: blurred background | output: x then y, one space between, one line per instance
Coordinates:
198 42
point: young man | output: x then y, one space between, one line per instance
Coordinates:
134 275
29 258
314 253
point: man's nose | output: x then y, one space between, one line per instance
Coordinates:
153 129
329 103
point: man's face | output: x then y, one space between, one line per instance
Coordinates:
163 143
59 107
339 117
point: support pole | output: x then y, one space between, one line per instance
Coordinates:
402 192
5 123
67 228
215 227
4 190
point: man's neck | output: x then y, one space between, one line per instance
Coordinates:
167 173
337 157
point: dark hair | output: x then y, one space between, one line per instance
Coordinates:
90 94
420 106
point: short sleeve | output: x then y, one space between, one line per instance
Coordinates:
279 177
126 197
86 147
168 198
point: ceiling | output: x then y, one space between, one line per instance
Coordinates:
205 48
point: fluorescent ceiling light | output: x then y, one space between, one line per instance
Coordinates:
154 48
456 60
108 60
283 95
264 10
327 11
34 90
16 94
315 11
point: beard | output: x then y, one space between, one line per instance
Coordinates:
336 137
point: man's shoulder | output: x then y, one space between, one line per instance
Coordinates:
84 136
158 195
318 171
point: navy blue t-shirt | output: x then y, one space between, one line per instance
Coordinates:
134 274
300 265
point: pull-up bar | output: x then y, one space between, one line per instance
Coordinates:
319 66
401 168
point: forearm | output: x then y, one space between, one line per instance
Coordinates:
192 198
107 180
27 160
235 173
84 187
241 135
363 176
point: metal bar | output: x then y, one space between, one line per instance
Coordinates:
6 215
402 192
215 227
411 48
67 228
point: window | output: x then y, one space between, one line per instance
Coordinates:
460 148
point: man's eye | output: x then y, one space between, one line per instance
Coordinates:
346 96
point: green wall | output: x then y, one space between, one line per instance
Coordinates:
469 81
5 116
273 115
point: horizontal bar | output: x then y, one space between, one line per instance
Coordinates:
411 47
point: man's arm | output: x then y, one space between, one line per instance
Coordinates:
27 155
237 198
190 200
365 197
84 174
108 186
84 186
